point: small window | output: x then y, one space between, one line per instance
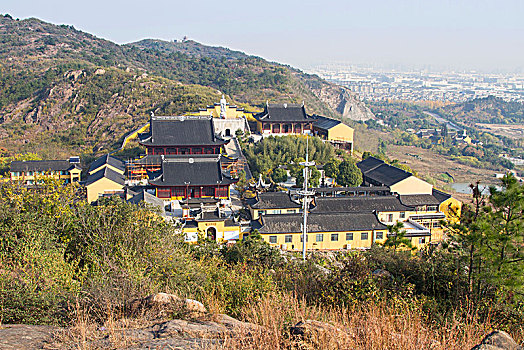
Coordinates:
432 208
403 215
320 237
307 239
422 240
364 236
272 239
289 238
349 236
380 235
277 211
390 218
30 173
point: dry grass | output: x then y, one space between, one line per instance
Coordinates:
375 326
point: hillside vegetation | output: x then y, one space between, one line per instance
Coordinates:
64 262
88 92
492 110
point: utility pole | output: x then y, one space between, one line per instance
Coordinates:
305 193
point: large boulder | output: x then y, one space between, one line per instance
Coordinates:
162 304
497 340
183 334
22 337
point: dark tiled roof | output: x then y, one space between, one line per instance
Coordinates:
108 159
181 131
273 200
386 174
183 170
369 164
42 165
284 113
325 123
107 173
358 204
419 199
440 196
333 222
369 189
148 198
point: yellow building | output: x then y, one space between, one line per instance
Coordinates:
29 171
213 226
272 203
376 172
388 209
195 176
109 161
325 231
105 182
334 131
224 110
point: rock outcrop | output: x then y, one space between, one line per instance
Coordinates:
164 304
498 340
26 337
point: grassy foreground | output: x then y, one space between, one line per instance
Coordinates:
63 262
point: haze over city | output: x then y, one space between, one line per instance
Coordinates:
437 35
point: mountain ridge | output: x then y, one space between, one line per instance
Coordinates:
64 90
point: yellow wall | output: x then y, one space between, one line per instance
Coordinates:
72 176
326 244
255 213
231 113
220 227
99 187
412 185
341 132
415 241
120 171
134 134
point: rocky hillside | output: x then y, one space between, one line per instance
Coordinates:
63 90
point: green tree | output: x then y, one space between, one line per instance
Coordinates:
504 226
331 168
279 175
397 238
252 250
349 174
314 177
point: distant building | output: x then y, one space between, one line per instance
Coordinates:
183 177
28 171
272 203
284 119
211 225
107 161
104 183
326 231
376 172
182 135
227 118
337 133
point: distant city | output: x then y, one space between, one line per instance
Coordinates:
379 84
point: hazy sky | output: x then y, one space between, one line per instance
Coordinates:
477 34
